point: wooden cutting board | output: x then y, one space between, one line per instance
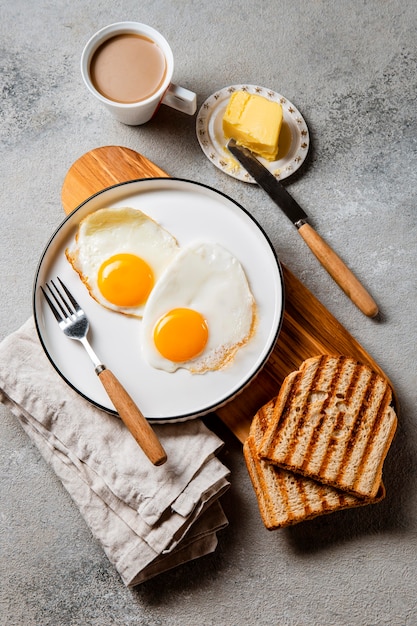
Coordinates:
308 328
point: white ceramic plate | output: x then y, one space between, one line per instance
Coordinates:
294 136
189 211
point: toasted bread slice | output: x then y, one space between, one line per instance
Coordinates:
285 498
333 421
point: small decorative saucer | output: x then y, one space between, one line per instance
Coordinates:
294 137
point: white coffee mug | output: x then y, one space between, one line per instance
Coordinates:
140 112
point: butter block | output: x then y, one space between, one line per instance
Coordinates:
254 122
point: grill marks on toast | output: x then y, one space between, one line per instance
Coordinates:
286 498
377 436
333 423
316 404
346 430
350 469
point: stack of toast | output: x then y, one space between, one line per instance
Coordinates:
320 445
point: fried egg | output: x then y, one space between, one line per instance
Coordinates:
119 254
200 312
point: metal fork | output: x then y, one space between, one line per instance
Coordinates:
73 321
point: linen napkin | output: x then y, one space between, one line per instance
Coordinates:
148 519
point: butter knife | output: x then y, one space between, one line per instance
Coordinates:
332 263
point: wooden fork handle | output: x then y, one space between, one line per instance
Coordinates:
133 419
339 271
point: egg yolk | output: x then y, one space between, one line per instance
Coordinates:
125 280
181 334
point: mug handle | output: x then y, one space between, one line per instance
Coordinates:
180 99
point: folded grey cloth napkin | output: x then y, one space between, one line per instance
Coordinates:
147 518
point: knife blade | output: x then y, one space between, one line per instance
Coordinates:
332 263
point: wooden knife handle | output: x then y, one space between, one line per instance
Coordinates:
136 423
339 271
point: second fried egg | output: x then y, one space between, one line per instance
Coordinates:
200 312
119 254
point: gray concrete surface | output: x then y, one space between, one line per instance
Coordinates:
350 67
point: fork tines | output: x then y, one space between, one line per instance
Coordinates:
63 305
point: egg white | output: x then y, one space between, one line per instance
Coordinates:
111 231
205 277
